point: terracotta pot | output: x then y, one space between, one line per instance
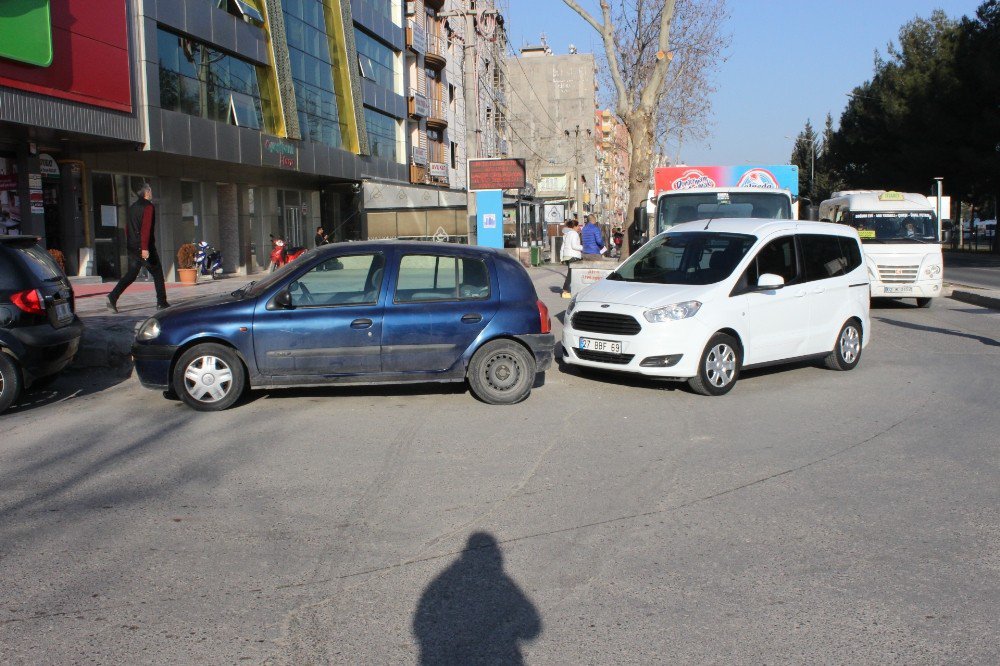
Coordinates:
187 275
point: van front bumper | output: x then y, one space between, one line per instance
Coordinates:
922 289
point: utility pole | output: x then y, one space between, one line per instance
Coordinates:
470 71
576 172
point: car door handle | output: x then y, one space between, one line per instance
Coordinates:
361 323
472 318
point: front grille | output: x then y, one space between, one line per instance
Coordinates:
898 274
606 322
604 357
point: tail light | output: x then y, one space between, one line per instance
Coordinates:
543 317
29 300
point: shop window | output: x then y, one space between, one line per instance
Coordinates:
382 134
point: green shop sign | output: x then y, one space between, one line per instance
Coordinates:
26 31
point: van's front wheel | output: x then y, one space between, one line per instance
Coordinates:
923 302
719 367
847 352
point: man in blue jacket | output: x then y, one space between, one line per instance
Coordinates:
593 242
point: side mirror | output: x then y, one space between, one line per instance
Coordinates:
282 300
769 281
640 219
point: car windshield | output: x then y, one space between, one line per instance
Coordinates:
679 208
257 287
691 257
894 227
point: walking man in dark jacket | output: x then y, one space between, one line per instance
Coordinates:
140 241
593 241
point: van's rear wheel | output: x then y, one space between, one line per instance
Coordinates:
847 352
719 367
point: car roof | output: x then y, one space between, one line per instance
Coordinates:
761 228
416 246
7 239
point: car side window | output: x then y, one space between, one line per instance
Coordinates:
428 277
350 280
822 256
778 258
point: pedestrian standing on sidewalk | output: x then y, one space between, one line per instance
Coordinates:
321 237
570 252
593 242
140 243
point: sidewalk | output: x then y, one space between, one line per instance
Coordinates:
987 298
107 337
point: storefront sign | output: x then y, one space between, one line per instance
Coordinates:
419 42
280 153
419 155
496 174
31 22
421 106
305 209
49 167
37 200
8 181
109 216
34 181
438 170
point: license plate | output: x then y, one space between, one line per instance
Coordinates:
899 290
63 311
608 346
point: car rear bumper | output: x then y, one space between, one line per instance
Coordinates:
43 350
542 345
152 365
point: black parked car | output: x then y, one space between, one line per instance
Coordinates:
39 331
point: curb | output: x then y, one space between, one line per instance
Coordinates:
990 299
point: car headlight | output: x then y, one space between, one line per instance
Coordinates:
932 271
571 306
149 330
673 312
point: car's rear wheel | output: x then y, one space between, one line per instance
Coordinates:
719 367
209 377
10 382
501 372
847 352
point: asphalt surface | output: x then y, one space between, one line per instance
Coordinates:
808 516
976 269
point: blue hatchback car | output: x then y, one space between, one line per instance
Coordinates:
357 313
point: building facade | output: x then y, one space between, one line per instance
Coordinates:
553 103
613 147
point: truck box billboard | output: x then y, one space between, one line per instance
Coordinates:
779 177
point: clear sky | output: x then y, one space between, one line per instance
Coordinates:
789 60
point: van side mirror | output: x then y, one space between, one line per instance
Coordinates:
769 281
282 300
640 219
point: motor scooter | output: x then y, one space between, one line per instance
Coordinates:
208 260
281 254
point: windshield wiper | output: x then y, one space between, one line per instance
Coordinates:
244 289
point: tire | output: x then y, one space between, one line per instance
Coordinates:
847 350
501 372
10 382
719 366
923 302
209 377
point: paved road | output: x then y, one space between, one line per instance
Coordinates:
976 269
809 516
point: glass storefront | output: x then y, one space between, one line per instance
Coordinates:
383 135
111 195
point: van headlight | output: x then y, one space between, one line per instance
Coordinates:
932 271
149 330
673 312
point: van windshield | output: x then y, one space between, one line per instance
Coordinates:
692 257
674 209
894 227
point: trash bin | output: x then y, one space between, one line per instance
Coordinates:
536 255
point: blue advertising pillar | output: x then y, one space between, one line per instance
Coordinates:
489 218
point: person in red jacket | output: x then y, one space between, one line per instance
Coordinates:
140 242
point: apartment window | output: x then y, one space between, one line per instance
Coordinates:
201 81
244 9
382 133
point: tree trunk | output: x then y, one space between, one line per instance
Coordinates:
640 127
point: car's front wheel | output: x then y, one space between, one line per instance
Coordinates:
719 367
501 372
209 377
10 382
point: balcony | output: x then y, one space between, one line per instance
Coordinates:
437 117
436 55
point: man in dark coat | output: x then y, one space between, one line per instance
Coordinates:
140 242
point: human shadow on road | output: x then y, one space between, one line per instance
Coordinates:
473 612
943 331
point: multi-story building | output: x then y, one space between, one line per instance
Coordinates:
612 144
249 118
553 101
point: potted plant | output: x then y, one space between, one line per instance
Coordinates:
186 273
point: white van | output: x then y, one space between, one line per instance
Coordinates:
707 299
900 233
